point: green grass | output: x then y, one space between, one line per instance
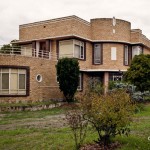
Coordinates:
24 138
13 116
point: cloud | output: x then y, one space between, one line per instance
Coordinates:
16 12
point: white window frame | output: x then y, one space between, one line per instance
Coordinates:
9 89
113 53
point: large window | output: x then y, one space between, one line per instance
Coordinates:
136 50
97 54
13 81
71 48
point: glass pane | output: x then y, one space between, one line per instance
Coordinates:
0 81
97 53
21 81
22 71
82 53
126 55
13 83
5 80
77 51
14 70
66 49
5 70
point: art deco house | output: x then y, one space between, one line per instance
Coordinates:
103 46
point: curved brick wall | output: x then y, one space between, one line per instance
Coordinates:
102 29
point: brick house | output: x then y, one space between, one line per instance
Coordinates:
104 47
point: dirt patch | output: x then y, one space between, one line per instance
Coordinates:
112 146
55 121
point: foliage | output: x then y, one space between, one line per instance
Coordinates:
109 114
68 76
78 126
139 72
95 86
136 96
10 48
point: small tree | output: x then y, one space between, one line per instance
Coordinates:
109 114
68 76
139 72
78 126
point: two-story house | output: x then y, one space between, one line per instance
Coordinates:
103 46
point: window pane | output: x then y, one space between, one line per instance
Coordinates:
66 48
5 80
80 82
77 51
136 50
21 81
13 83
126 55
5 70
14 70
113 53
97 54
82 53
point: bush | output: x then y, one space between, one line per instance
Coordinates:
68 77
136 96
109 114
78 126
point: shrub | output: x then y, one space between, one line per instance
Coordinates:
68 76
78 126
109 114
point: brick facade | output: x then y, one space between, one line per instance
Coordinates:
99 30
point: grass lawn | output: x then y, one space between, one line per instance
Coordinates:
47 129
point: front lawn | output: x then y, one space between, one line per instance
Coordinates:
47 129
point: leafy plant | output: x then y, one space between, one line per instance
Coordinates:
139 72
78 126
68 76
109 114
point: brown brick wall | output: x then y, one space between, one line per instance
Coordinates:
102 29
46 89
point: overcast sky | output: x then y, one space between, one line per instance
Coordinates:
16 12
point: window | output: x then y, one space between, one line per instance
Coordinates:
78 49
115 76
97 54
12 81
39 78
136 50
126 55
80 82
113 53
71 48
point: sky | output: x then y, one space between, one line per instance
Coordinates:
16 12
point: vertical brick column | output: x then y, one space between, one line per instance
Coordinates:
106 81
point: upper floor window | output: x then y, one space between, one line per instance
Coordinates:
97 54
126 55
136 50
113 53
72 48
13 81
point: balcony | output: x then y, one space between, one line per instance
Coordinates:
27 52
